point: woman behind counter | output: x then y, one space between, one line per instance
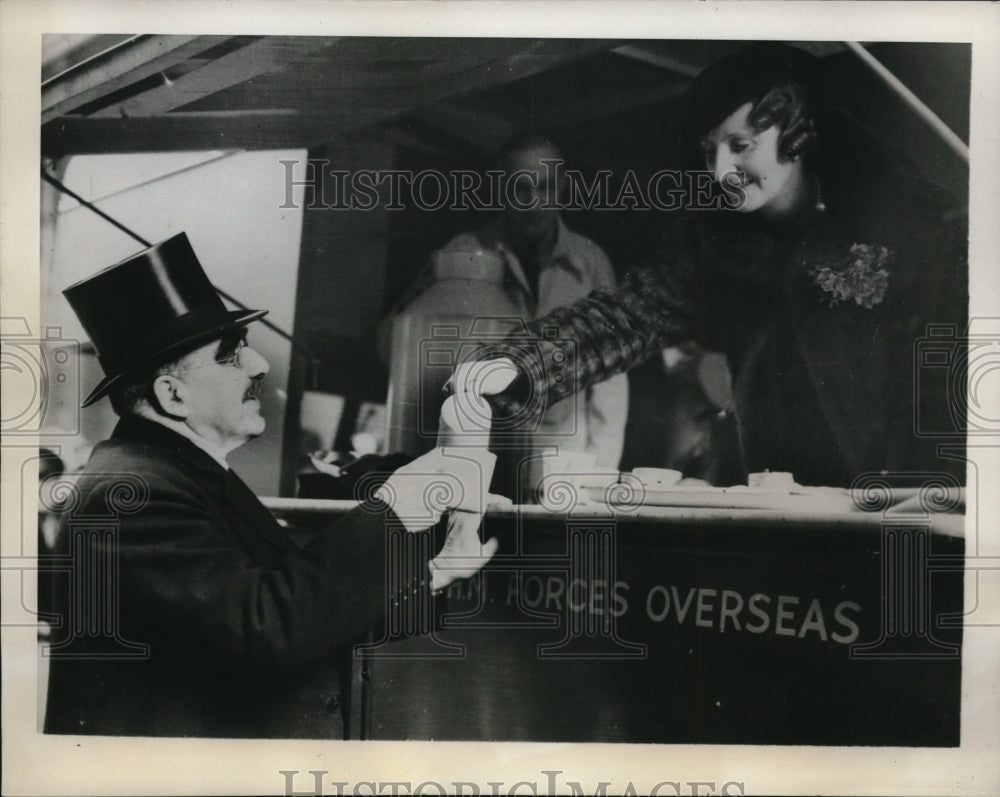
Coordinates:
818 286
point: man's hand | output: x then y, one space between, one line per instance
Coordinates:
421 491
462 554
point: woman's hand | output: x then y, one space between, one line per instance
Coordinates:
482 377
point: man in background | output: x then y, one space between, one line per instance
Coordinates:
548 266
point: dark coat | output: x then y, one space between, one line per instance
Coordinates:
221 626
824 386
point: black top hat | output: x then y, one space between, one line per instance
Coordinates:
150 308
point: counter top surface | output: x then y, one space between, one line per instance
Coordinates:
943 510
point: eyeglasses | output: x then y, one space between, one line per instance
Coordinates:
235 359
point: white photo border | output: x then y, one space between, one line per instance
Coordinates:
41 765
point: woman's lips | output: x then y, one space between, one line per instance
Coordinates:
736 179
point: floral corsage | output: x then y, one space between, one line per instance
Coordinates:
863 276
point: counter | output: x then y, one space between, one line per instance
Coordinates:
813 623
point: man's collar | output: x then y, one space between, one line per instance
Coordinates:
562 254
214 451
148 430
561 251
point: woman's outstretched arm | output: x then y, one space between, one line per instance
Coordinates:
606 333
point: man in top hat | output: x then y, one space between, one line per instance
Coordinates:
187 609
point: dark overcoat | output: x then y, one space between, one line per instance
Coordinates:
189 611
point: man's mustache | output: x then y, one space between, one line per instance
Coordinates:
255 388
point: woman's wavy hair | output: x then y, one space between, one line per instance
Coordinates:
786 105
781 83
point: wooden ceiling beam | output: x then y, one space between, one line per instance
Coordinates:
114 69
150 124
176 132
498 62
63 51
271 54
183 131
644 56
477 130
591 108
455 76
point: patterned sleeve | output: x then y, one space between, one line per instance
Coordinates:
604 334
